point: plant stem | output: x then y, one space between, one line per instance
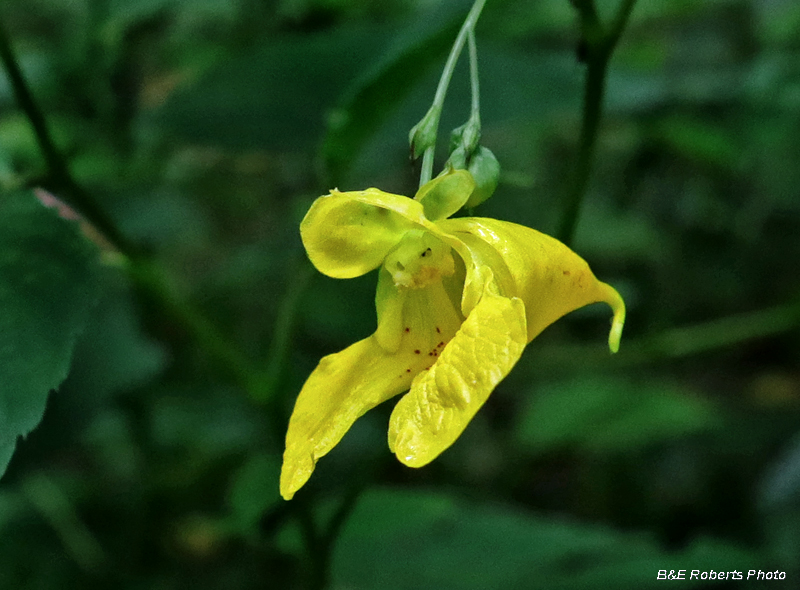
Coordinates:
599 44
326 540
444 82
145 273
592 101
320 538
154 283
276 361
58 170
677 343
621 19
316 569
722 332
58 510
474 81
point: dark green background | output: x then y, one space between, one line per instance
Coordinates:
207 128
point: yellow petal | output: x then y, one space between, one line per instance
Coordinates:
389 304
549 277
444 399
348 234
347 384
445 194
482 265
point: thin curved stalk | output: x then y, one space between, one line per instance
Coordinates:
597 45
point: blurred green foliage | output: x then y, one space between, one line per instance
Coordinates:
206 129
37 252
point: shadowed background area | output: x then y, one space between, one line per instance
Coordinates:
205 130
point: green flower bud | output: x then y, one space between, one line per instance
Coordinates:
457 160
423 134
467 136
485 169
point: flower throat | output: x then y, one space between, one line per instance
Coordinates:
419 259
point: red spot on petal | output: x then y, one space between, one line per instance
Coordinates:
408 370
438 331
565 273
440 345
408 329
416 352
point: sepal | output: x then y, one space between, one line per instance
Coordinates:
348 234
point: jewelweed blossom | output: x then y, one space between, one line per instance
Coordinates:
457 301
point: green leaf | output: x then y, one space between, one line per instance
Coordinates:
113 354
700 141
204 420
374 95
6 451
779 503
781 483
621 235
397 540
48 276
611 415
11 507
254 490
273 97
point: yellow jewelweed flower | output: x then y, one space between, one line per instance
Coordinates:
457 301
